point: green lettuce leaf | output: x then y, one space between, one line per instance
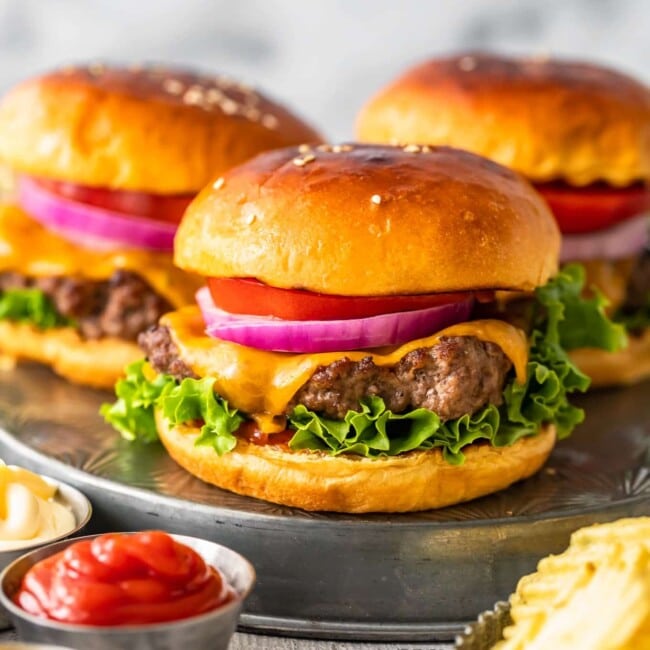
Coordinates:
132 414
194 400
191 400
572 320
30 306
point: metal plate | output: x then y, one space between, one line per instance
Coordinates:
378 577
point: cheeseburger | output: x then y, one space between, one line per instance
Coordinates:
335 360
581 134
105 161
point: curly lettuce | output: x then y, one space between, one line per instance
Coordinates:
191 400
30 306
562 319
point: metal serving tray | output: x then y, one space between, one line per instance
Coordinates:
409 577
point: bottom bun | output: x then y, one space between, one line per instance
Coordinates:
420 480
627 366
97 363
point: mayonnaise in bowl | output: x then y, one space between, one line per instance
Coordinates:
30 514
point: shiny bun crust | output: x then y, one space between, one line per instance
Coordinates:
546 119
628 366
148 129
93 363
371 220
314 481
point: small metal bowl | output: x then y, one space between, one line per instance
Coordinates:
487 630
210 630
82 511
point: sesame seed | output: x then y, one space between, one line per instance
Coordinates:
301 161
253 114
214 96
249 219
173 86
340 148
411 148
304 148
229 106
376 199
425 149
218 184
270 121
346 147
193 96
467 63
324 147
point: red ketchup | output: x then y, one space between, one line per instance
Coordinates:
123 579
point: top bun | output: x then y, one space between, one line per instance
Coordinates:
547 119
371 220
151 129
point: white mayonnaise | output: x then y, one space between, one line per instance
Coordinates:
29 513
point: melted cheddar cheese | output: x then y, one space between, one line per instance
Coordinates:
261 382
27 247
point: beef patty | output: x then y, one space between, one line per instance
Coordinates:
458 376
122 306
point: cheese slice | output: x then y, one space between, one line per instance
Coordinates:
28 248
262 382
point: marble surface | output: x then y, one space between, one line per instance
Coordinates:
323 57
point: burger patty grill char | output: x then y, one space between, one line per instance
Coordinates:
458 376
122 306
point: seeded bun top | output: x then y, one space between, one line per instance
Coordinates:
547 119
371 220
149 129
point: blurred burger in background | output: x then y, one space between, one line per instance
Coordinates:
581 134
105 161
336 358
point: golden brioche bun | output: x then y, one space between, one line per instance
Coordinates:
97 363
371 220
546 119
150 129
627 366
419 480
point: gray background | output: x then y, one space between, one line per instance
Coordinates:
323 57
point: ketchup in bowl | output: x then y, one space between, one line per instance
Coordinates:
123 579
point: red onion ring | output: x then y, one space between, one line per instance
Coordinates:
90 226
622 240
269 333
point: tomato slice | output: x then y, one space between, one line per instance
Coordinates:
252 297
594 207
169 209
